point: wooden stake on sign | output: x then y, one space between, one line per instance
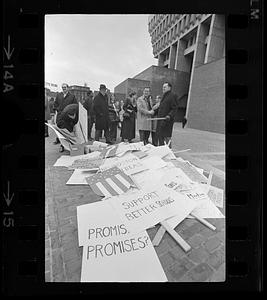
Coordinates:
186 247
181 151
203 221
210 178
158 236
156 119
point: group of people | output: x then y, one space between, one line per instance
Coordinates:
149 116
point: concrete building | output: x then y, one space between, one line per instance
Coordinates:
80 92
190 49
194 44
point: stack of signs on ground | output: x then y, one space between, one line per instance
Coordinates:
175 178
177 181
110 252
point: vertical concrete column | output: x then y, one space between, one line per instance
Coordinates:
215 46
181 64
198 59
161 60
200 51
172 59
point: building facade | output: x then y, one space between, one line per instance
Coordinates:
194 44
80 92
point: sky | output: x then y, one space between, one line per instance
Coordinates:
96 49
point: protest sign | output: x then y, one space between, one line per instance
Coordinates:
215 194
83 122
144 208
110 182
176 181
129 163
110 252
78 177
190 171
125 147
161 151
67 160
86 164
153 162
63 141
109 151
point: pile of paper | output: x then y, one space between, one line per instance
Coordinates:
140 191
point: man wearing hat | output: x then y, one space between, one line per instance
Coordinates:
100 107
62 100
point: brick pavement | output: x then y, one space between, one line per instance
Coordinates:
204 262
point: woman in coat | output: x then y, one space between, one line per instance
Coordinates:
128 123
47 114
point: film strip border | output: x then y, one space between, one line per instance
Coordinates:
23 150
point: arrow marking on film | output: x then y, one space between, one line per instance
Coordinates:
7 198
8 52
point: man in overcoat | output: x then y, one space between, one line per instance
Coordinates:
62 100
143 113
100 107
167 109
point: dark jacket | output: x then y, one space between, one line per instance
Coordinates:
64 121
128 124
100 107
88 105
47 110
61 102
168 107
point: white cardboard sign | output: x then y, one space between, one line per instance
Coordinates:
78 177
110 252
142 209
129 163
83 121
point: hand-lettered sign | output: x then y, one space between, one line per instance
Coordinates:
110 252
142 209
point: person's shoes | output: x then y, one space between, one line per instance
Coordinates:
110 142
90 139
56 142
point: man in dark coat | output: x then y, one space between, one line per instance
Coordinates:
100 106
62 100
88 105
167 109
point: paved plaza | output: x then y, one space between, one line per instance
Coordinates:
204 262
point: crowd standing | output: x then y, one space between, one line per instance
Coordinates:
145 114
